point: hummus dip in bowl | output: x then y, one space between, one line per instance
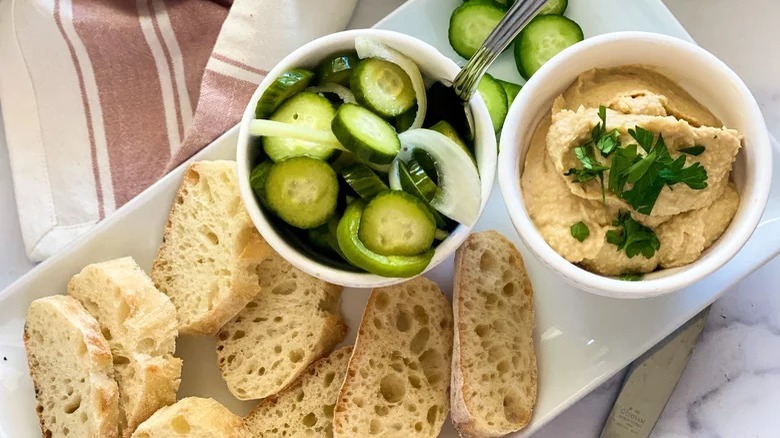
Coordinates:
634 156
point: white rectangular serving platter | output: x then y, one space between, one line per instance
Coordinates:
581 339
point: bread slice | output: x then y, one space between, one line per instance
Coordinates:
493 363
193 417
139 323
396 384
70 366
305 407
206 263
292 322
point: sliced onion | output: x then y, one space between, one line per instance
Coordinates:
394 176
345 94
271 128
459 197
368 48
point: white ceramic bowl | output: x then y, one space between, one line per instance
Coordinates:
705 77
433 65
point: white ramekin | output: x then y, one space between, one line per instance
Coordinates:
433 65
705 77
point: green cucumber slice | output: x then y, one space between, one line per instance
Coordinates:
495 99
554 7
337 68
401 180
307 110
286 85
544 37
302 191
511 89
471 23
363 181
397 223
257 180
359 255
405 120
383 87
366 134
412 174
445 128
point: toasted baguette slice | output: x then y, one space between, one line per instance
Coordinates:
305 407
292 322
493 363
139 323
210 249
71 369
193 417
398 375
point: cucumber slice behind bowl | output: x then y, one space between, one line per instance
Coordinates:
544 37
302 191
471 23
495 99
554 7
511 89
337 68
397 223
383 87
363 181
307 110
286 85
366 134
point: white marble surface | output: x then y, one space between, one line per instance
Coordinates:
731 387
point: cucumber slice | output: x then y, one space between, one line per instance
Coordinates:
554 7
319 237
413 175
445 128
426 162
283 87
302 191
401 180
383 87
257 180
459 197
405 120
544 37
441 234
363 181
337 68
366 134
511 90
344 94
471 23
307 110
495 99
397 223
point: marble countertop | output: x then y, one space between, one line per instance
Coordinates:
731 387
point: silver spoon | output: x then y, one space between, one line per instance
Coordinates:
467 80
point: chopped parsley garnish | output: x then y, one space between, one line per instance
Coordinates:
647 174
633 237
580 231
694 150
631 277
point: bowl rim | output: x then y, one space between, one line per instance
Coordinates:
509 170
289 252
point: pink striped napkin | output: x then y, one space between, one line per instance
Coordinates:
102 98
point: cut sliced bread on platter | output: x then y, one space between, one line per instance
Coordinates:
71 368
193 417
494 363
292 322
139 323
397 379
207 261
305 407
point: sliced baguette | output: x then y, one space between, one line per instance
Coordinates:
292 322
193 417
305 407
206 263
397 379
493 363
139 323
71 369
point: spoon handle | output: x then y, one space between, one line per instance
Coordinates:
521 12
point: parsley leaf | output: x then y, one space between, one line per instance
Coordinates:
631 277
632 237
693 150
608 142
643 137
694 176
623 159
580 231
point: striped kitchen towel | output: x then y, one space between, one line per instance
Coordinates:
100 98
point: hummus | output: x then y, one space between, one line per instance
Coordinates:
686 221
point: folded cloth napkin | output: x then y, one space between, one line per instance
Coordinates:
101 98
